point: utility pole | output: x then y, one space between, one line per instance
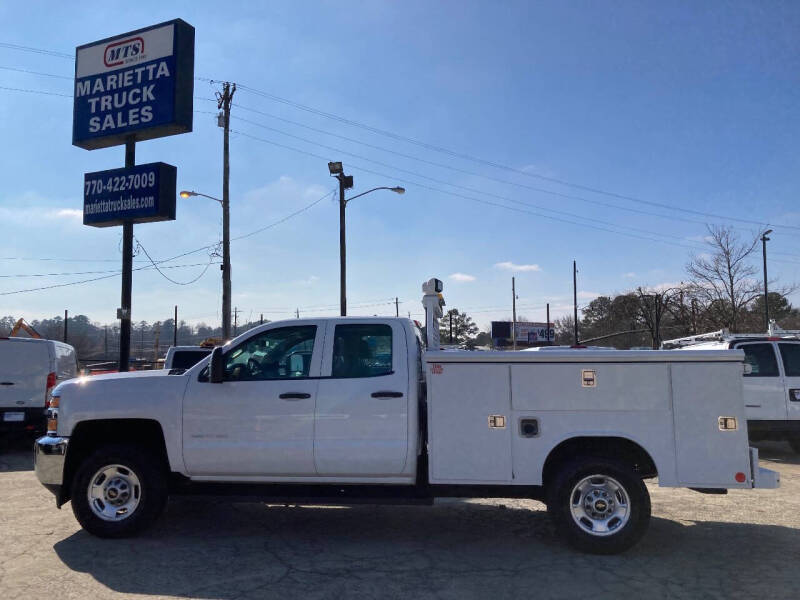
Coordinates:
297 312
549 341
513 313
175 328
105 342
224 100
155 343
345 183
127 272
66 320
451 326
396 306
575 298
261 321
764 240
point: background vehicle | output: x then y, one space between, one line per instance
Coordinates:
29 370
353 410
772 382
183 357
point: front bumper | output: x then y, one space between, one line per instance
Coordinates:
49 457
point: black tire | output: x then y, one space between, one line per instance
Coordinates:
560 499
151 490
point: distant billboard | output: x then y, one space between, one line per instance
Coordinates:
139 194
139 84
527 333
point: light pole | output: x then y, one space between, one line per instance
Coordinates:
764 240
226 262
346 183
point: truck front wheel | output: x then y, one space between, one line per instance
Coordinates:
598 505
118 491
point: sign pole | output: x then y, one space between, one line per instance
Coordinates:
127 271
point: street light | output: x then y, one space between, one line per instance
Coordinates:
226 262
345 183
764 240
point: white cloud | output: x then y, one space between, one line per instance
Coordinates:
629 275
461 277
510 266
588 295
66 213
310 280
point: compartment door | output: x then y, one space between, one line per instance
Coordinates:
707 456
467 442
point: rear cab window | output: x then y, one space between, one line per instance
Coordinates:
362 350
761 358
790 356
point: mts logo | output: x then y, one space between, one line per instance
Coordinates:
119 52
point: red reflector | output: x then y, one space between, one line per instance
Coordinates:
29 427
51 380
740 477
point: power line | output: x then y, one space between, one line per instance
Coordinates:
60 285
160 272
496 165
29 72
462 187
464 171
36 50
27 91
478 200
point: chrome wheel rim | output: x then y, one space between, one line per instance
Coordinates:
599 505
114 492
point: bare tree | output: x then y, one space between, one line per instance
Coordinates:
725 281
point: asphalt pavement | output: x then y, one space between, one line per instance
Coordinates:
742 545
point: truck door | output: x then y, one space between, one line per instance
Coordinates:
790 361
361 425
260 419
764 391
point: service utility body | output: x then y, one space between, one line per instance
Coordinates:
356 410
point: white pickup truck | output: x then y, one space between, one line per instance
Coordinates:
355 410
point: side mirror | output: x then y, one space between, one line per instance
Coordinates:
216 371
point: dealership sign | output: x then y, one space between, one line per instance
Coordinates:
139 194
526 333
137 85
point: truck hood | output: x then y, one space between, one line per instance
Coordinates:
91 380
152 395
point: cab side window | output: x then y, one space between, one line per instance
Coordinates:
362 350
761 358
283 353
790 354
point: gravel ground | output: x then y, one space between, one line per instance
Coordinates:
743 545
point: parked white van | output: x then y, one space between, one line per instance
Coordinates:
29 370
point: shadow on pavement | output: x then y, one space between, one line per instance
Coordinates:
216 549
779 452
16 452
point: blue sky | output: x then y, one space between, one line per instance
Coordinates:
693 107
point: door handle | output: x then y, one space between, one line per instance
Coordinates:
794 395
294 396
387 394
6 383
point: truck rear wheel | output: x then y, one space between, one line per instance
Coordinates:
598 505
118 491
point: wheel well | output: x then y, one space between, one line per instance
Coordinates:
89 435
617 448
